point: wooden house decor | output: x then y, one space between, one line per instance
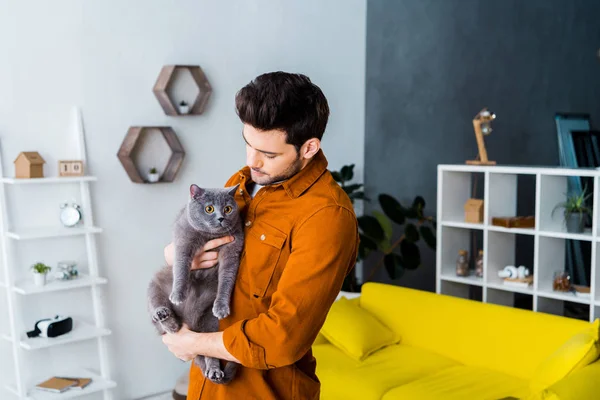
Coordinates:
172 106
133 136
474 211
70 168
29 164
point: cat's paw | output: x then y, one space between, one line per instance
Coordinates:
177 298
161 314
215 374
220 309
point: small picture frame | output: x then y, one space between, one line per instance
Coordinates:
70 168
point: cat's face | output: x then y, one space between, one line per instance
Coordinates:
212 210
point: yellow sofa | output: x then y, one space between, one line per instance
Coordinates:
457 349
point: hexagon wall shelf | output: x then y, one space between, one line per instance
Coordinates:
134 134
165 81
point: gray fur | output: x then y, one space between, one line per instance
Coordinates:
199 298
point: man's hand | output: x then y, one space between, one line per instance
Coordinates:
205 257
183 343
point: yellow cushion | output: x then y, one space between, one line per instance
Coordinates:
461 383
577 352
355 331
345 378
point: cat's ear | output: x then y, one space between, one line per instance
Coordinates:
232 190
196 191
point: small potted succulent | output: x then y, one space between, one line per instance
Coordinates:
575 210
153 175
184 107
40 271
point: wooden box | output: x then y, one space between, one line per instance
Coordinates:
474 211
514 222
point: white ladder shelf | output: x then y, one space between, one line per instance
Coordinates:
81 331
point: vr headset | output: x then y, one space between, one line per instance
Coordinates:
52 327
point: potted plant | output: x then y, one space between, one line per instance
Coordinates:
389 238
40 270
184 108
153 175
575 209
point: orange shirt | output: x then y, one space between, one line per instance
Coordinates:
301 240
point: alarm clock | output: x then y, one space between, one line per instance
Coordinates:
70 214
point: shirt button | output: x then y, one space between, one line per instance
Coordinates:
262 237
248 223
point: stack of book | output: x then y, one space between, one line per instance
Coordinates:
59 384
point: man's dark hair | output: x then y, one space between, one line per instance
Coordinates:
286 102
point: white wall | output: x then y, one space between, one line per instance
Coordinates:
104 56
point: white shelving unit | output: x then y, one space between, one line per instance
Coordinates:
82 330
500 196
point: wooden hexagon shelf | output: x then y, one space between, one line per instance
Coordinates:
134 136
165 82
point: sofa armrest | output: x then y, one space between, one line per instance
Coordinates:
583 384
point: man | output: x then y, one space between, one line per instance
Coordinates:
301 240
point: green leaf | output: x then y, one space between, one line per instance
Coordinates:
366 246
419 203
351 188
347 172
428 236
336 176
410 255
371 227
385 223
411 233
393 265
392 208
358 196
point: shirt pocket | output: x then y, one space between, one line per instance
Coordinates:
264 245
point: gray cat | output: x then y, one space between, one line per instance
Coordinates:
199 298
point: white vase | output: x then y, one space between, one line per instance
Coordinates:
39 279
184 109
153 178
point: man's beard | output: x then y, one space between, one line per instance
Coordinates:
290 171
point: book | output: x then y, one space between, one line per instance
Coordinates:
56 385
80 383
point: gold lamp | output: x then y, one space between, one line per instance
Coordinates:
482 123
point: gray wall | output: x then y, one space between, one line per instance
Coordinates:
433 64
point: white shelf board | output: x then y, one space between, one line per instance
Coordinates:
81 331
586 236
464 225
467 280
98 384
27 286
519 231
520 170
508 288
564 296
51 179
50 232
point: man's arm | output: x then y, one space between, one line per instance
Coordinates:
324 248
186 344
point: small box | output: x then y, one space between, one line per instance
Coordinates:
474 211
514 222
70 168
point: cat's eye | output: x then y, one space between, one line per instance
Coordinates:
209 209
228 209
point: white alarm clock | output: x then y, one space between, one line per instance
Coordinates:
70 214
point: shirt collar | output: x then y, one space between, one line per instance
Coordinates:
304 179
